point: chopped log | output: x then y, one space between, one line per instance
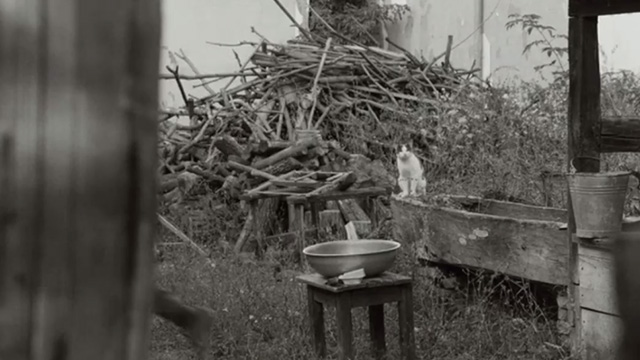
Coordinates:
222 170
228 146
331 224
292 151
251 170
167 186
284 166
210 176
352 212
268 147
308 221
332 205
342 183
238 159
264 220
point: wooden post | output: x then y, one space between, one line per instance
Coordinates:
78 105
583 131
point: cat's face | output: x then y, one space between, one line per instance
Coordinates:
404 152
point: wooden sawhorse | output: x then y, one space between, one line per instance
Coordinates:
372 293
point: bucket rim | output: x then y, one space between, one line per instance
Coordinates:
601 174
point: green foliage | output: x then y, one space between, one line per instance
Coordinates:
358 20
551 43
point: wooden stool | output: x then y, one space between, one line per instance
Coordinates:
371 292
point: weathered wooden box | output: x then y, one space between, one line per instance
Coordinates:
514 239
600 325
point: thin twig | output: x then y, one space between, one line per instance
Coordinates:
182 56
242 68
314 89
304 31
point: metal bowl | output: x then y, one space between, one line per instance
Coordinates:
335 258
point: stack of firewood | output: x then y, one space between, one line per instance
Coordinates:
290 97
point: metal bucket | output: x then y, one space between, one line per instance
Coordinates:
598 202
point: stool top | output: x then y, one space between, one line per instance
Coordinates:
384 279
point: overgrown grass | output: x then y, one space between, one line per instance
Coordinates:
261 314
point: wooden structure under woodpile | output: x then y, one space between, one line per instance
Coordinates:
597 324
327 196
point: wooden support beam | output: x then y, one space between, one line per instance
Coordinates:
583 133
620 134
78 148
584 94
594 8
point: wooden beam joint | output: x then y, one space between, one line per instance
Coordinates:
620 134
582 8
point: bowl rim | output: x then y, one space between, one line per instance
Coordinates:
395 246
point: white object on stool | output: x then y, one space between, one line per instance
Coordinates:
352 277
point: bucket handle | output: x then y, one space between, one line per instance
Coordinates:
572 168
637 176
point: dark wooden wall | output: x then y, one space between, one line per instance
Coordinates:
78 105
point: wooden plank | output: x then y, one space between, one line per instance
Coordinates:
597 280
620 134
601 334
602 7
78 105
583 143
339 195
352 233
529 249
626 254
584 94
511 209
523 211
382 280
353 213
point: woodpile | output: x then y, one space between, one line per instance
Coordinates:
290 97
291 107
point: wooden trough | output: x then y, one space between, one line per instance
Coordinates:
518 240
528 242
514 239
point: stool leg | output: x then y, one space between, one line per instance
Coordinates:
376 330
316 318
344 330
405 315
